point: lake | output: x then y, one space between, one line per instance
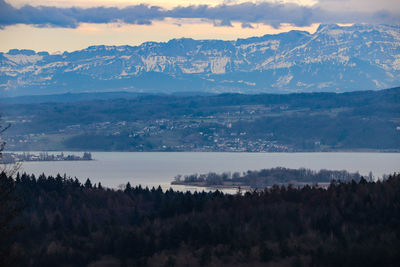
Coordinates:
159 168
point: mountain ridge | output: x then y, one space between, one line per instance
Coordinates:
333 59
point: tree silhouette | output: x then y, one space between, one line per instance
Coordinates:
9 204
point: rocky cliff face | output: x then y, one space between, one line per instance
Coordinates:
334 58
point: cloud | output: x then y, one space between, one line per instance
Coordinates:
247 25
274 14
223 23
45 16
360 5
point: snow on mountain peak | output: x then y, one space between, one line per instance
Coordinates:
334 58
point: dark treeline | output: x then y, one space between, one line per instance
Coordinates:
66 223
269 177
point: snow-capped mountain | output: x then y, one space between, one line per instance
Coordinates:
334 58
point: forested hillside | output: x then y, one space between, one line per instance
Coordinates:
367 120
67 223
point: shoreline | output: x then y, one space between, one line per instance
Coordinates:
244 187
43 156
197 151
226 185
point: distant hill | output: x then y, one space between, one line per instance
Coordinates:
353 121
333 59
81 97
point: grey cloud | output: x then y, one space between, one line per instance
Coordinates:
247 25
273 14
44 16
268 13
222 23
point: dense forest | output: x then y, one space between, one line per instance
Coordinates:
57 221
366 120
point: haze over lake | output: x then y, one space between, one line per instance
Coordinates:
159 168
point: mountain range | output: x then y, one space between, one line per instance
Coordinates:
333 59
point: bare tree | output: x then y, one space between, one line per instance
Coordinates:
2 143
8 169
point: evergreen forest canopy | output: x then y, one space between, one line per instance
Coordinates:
364 120
66 223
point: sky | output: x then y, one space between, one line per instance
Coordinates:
61 25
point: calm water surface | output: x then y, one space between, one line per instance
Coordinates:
159 168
